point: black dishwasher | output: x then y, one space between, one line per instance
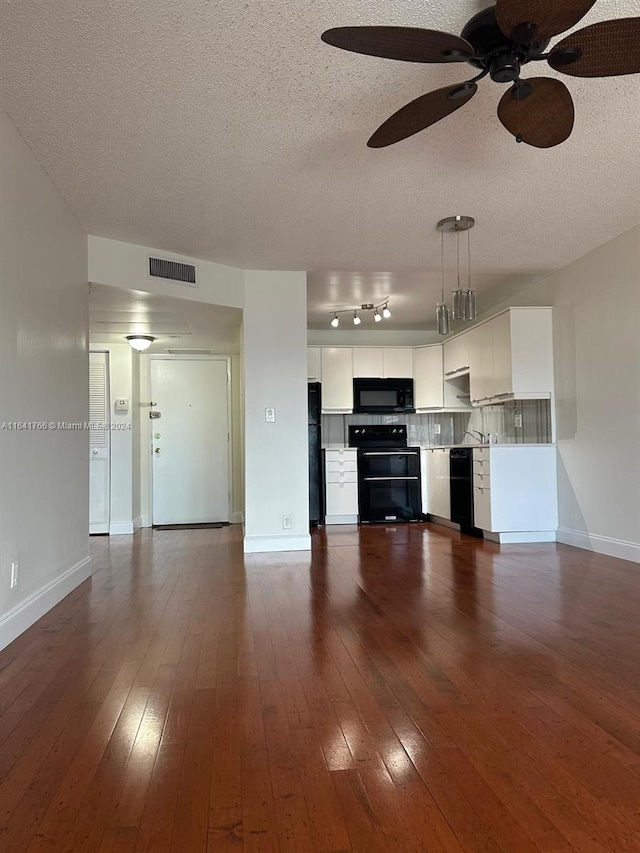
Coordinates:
461 480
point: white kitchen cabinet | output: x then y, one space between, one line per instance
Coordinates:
383 362
438 483
368 362
427 375
397 362
341 486
337 379
511 357
314 364
514 492
481 363
424 490
455 352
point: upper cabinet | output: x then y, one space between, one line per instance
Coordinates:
511 357
427 375
383 362
337 379
314 364
456 356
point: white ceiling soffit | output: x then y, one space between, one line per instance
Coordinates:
231 132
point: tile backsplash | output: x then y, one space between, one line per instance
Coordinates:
502 421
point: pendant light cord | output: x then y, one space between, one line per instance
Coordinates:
468 259
458 250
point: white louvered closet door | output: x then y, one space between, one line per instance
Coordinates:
99 462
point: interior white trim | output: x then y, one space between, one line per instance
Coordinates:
237 518
523 536
137 523
145 521
25 614
260 544
117 528
600 544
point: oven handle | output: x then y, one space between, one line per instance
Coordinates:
390 452
367 479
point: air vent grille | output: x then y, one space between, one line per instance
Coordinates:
161 268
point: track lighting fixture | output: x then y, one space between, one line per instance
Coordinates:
380 311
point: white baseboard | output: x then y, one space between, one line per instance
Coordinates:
600 544
341 519
145 521
116 528
261 544
137 523
521 536
237 518
23 616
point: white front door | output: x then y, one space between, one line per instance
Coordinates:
99 456
190 440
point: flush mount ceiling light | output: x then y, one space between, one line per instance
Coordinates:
378 315
463 298
140 342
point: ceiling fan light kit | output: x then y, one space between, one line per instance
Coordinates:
499 41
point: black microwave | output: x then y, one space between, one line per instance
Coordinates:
382 396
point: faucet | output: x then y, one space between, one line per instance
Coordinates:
478 435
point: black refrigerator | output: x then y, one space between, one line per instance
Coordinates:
316 490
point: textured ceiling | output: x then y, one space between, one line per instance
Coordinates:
229 131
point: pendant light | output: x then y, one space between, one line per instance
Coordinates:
442 309
463 298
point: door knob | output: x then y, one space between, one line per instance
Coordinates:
95 452
157 450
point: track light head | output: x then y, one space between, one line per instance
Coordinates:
385 311
336 321
356 319
376 316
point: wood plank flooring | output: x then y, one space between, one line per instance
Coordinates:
399 688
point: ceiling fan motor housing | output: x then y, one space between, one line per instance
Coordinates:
495 52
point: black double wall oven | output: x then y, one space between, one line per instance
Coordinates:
388 473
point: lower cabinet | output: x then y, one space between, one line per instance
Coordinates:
341 486
514 492
438 483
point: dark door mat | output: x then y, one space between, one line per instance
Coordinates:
206 526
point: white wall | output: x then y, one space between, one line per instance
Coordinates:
596 324
44 475
275 375
273 363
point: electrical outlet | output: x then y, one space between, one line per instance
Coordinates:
14 575
286 522
517 420
436 429
270 415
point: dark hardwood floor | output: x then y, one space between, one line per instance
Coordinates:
400 688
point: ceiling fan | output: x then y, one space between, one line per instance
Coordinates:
499 40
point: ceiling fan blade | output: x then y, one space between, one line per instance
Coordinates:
538 111
527 21
423 112
605 49
410 44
